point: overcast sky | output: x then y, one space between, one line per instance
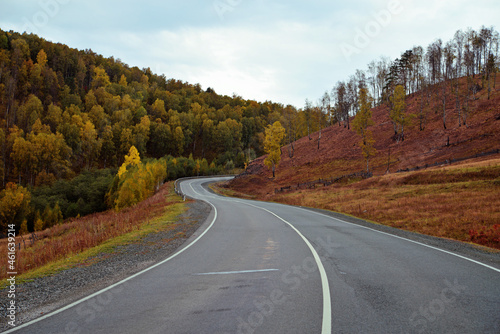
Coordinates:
284 51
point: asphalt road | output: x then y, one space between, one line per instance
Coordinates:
258 267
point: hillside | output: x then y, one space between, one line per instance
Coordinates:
68 115
339 153
458 200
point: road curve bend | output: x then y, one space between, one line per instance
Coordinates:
257 267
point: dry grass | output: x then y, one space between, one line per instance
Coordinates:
78 235
457 202
339 153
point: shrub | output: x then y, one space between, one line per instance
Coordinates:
82 195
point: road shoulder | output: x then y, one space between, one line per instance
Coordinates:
46 294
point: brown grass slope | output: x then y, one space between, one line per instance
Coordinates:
75 236
468 203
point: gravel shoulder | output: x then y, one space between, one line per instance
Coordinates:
46 294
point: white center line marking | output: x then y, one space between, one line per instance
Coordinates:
326 326
236 272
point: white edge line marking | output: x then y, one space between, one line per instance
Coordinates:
236 272
402 238
310 210
326 326
118 283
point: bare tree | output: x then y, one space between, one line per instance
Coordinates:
342 103
290 116
496 46
417 62
307 113
372 80
427 72
469 62
448 58
324 109
458 41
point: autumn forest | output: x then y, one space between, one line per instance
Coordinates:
76 128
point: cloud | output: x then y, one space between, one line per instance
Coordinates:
249 62
285 51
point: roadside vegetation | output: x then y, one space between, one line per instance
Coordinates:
456 202
77 241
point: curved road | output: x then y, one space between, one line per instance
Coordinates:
259 267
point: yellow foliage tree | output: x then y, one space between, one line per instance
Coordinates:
24 228
179 139
398 112
14 205
140 183
123 81
132 159
100 78
38 223
272 145
90 143
41 58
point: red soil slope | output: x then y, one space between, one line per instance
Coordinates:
339 152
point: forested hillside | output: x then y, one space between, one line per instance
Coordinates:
69 117
430 105
424 158
85 111
65 111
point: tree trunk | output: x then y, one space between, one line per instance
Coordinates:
443 91
457 105
388 162
489 85
466 111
